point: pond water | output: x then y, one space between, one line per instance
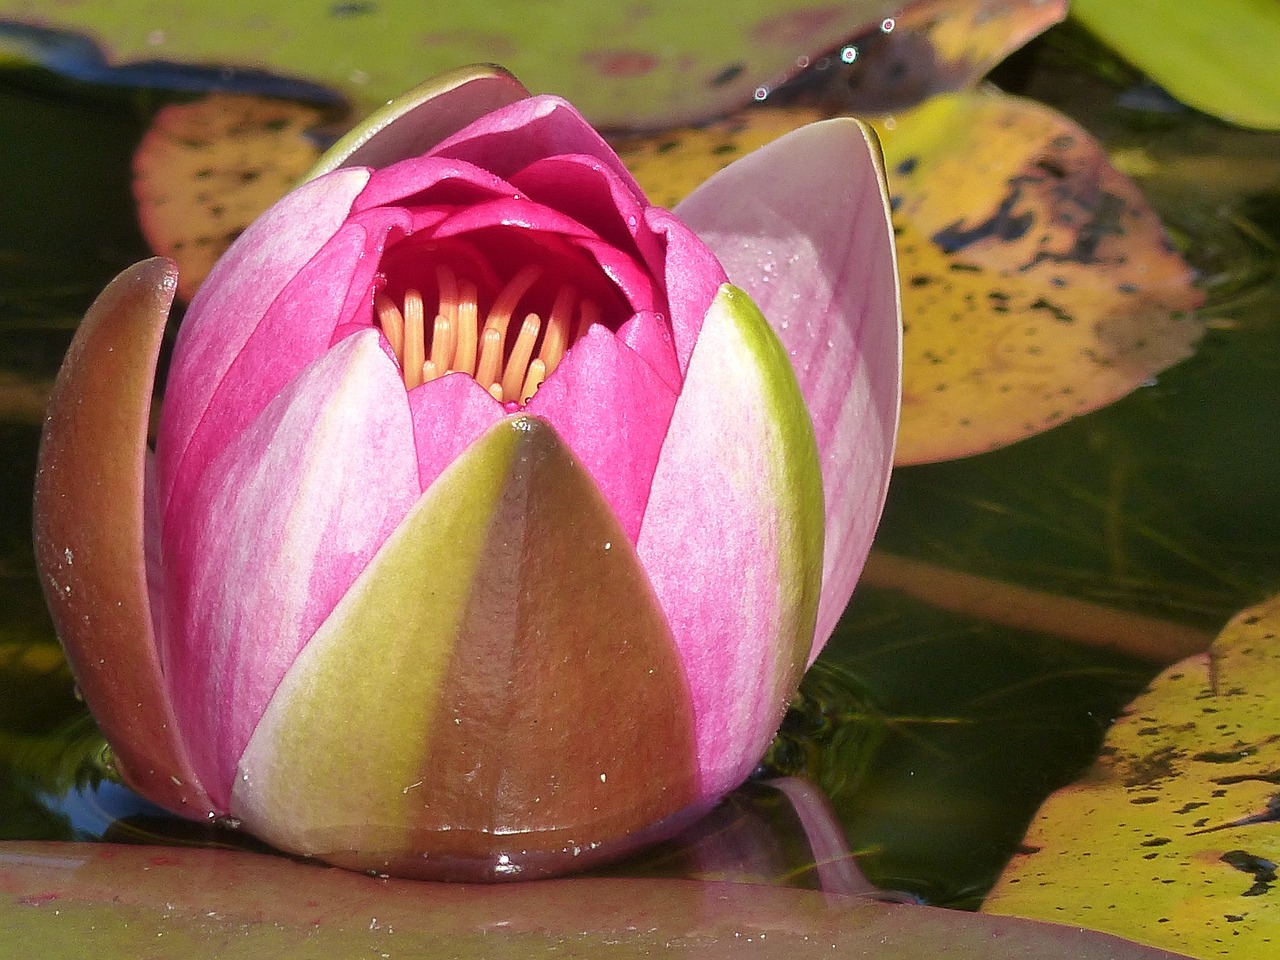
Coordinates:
936 735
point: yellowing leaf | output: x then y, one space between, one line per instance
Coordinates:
1173 838
206 169
1037 283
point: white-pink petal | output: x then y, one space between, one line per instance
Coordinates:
803 226
243 283
280 526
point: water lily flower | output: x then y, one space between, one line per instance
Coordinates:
484 530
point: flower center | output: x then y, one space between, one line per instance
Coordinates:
457 341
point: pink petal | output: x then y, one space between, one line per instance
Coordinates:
692 275
449 414
512 212
732 537
516 136
633 280
296 328
612 410
227 307
803 226
431 180
649 334
280 525
590 192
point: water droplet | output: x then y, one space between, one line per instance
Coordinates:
68 555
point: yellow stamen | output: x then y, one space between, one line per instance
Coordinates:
414 339
456 336
521 351
537 373
468 329
392 323
490 359
505 305
442 343
448 285
556 340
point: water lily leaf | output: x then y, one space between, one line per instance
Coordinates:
1037 283
206 169
668 61
1173 838
1218 57
128 901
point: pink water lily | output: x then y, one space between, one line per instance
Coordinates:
484 532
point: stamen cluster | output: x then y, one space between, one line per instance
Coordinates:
457 341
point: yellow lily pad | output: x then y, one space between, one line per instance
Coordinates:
206 169
1173 838
1037 283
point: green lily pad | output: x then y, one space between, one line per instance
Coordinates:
666 61
1219 57
1173 838
55 899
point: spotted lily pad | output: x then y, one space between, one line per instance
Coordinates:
664 61
1173 838
206 169
1037 283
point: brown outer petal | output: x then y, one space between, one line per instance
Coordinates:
89 495
565 717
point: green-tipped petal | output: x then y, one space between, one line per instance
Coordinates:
412 124
732 536
498 693
89 531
